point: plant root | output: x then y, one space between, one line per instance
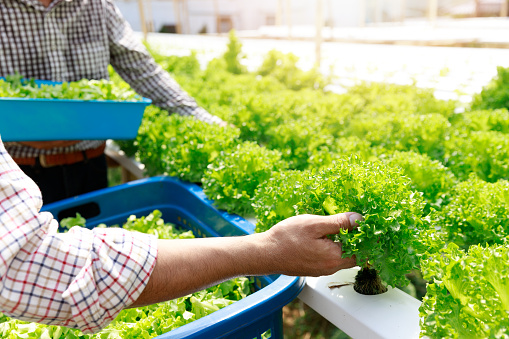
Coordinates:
368 282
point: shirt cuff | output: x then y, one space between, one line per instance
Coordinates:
115 274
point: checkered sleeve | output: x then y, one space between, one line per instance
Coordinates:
132 61
80 279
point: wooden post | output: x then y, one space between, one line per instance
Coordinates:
178 24
504 7
142 19
289 17
477 8
402 9
185 6
150 17
378 11
331 20
432 11
216 15
362 13
319 26
279 12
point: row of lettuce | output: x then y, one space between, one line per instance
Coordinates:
143 322
430 182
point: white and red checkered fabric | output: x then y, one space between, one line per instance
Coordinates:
80 279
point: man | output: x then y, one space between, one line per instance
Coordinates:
70 40
84 278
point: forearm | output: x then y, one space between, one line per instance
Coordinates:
295 246
185 266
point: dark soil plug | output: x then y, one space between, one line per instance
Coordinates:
368 282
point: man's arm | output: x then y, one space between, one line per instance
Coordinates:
296 246
80 279
132 61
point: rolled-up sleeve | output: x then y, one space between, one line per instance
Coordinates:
80 279
132 61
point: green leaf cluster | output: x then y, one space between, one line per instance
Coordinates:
387 239
485 153
340 148
485 120
380 98
428 176
232 178
298 140
477 214
469 293
16 87
422 133
284 68
233 55
181 146
495 94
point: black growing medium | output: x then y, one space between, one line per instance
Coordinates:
368 282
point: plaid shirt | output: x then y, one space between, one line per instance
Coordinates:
79 279
77 39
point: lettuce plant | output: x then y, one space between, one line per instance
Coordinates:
485 153
422 133
181 146
483 120
496 93
428 176
387 240
298 140
232 178
16 87
373 97
477 214
469 293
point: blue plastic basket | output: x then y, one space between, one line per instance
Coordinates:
185 204
26 119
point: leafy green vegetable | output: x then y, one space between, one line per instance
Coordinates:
485 120
233 55
16 87
71 222
298 140
485 153
387 239
231 179
495 94
284 68
180 146
469 296
422 133
477 214
428 176
373 97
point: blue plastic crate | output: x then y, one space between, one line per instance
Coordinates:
185 204
26 119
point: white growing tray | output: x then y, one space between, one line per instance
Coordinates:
393 314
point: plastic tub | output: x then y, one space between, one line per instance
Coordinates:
27 119
186 205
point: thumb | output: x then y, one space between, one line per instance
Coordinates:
331 224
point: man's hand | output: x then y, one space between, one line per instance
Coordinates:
49 144
299 245
295 246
